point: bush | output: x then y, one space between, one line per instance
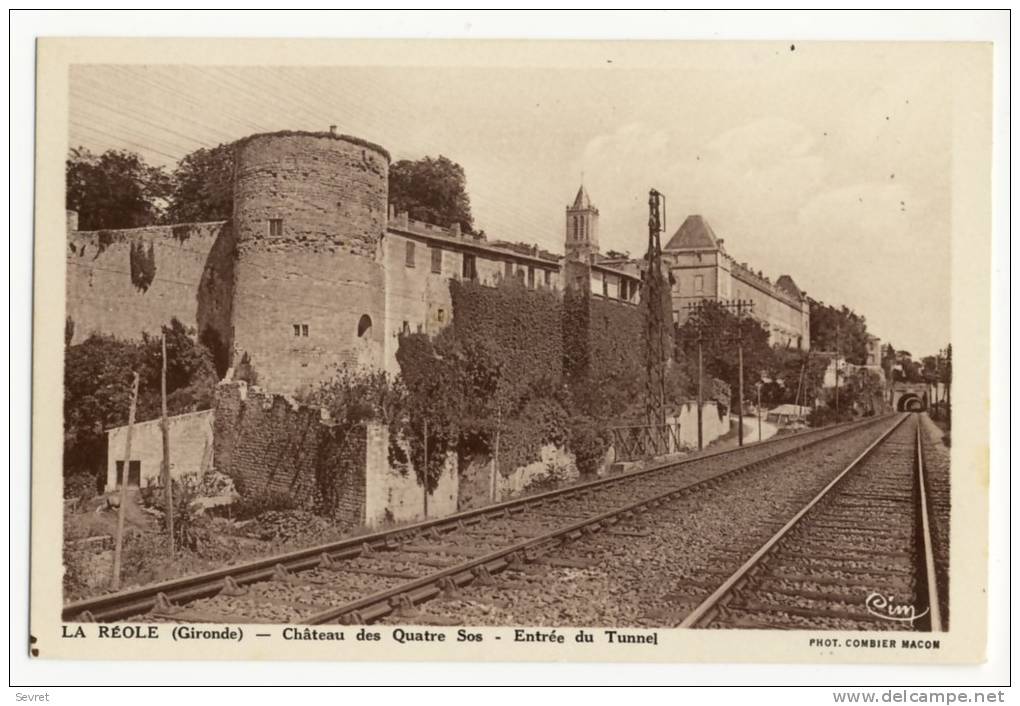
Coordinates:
824 416
247 508
81 486
589 444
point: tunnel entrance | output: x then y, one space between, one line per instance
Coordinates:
910 403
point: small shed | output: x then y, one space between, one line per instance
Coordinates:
191 446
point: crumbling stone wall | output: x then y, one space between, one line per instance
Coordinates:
192 279
269 444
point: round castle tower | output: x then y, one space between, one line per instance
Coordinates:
310 211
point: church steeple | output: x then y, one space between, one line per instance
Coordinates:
582 236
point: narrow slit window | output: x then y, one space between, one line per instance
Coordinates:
275 227
508 270
297 329
531 277
437 260
409 254
304 330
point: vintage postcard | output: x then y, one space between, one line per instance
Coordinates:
511 350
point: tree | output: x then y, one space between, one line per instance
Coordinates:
431 190
839 330
117 189
719 329
203 186
795 377
97 388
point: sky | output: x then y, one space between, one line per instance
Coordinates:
839 178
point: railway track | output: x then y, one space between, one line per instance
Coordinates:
366 578
860 555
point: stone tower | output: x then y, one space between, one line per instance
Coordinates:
309 216
582 236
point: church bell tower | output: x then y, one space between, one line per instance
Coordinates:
582 236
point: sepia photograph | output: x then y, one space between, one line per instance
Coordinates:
610 344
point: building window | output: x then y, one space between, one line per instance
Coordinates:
441 316
548 278
275 227
364 325
437 260
134 473
304 330
531 277
409 254
508 270
468 269
576 231
699 283
297 329
605 287
406 328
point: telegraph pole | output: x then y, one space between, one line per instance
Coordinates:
125 474
759 409
949 386
837 372
696 309
741 304
655 325
167 481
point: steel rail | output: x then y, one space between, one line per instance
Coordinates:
140 600
934 606
368 608
704 612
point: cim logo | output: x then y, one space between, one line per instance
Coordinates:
885 607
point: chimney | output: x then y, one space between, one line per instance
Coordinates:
332 130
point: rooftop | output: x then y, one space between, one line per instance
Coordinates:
694 234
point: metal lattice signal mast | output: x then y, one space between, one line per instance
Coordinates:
656 349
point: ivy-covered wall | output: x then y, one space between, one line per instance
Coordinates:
268 444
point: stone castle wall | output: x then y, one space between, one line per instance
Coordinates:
310 211
269 444
192 279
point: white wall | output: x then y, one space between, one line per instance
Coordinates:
397 490
191 445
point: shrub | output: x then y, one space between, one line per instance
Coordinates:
588 443
246 508
81 486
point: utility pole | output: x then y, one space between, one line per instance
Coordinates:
655 325
124 476
740 306
837 372
425 473
949 386
696 309
167 481
759 410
